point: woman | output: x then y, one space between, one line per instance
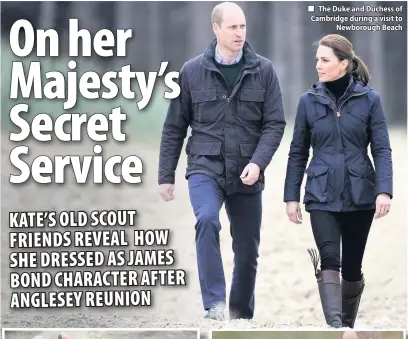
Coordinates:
339 117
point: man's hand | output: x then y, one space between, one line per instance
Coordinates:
383 204
294 212
250 174
166 191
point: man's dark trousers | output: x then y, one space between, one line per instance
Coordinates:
245 213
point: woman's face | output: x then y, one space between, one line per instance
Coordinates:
328 66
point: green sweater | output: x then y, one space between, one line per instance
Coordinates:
230 73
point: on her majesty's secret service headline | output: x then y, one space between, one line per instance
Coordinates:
67 126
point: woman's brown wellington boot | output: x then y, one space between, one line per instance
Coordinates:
328 282
351 292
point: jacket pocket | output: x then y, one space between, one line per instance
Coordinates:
205 155
247 150
250 103
316 184
359 114
317 115
362 185
203 105
359 111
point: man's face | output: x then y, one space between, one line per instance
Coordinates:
232 32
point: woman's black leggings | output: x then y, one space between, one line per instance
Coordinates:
349 228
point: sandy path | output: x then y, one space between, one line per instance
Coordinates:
286 294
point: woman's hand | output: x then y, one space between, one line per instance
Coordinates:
383 205
293 211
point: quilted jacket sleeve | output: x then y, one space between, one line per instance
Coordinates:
298 155
273 122
380 148
174 132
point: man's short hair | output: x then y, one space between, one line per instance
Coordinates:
216 16
368 334
217 12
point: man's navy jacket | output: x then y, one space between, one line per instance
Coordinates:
228 132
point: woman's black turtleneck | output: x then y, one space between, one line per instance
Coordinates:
338 86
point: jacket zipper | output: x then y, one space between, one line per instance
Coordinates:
237 85
234 90
338 109
244 71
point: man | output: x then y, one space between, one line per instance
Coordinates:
231 99
362 335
